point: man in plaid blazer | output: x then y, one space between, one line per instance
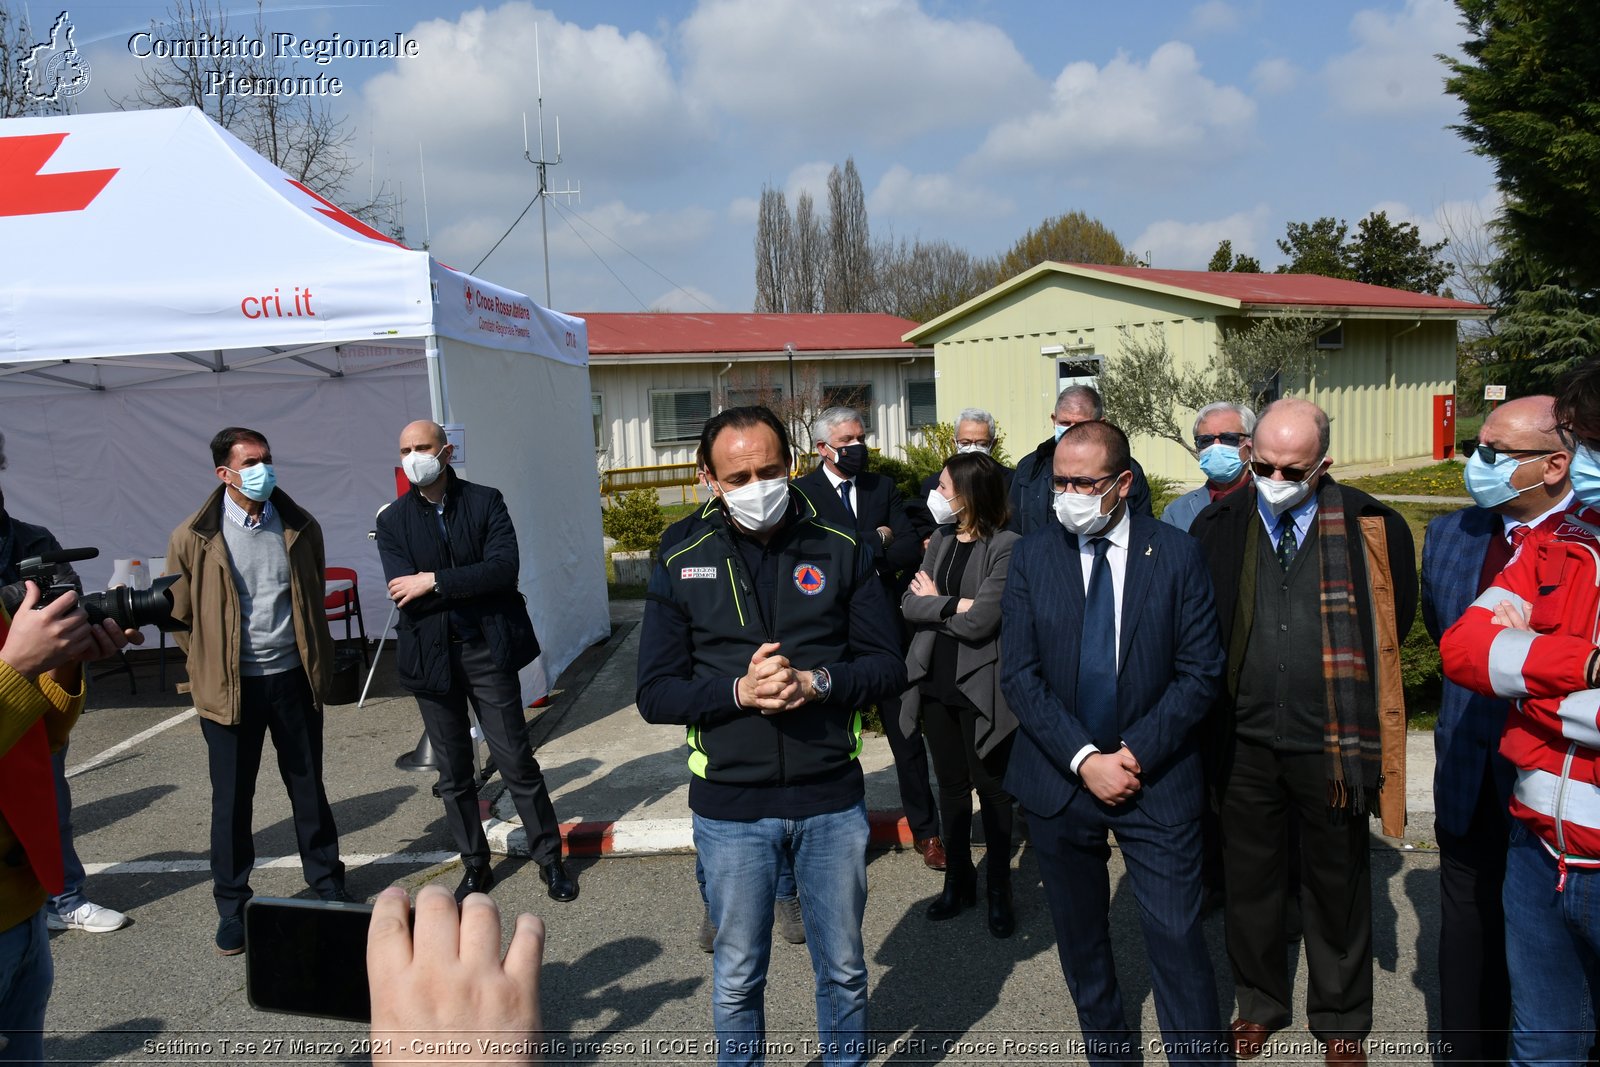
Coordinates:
1518 475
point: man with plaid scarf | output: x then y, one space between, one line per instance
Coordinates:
1316 585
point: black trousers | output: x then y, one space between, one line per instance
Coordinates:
1263 788
911 771
1474 989
282 705
950 730
1163 865
497 699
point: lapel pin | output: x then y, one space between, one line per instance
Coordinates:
1149 550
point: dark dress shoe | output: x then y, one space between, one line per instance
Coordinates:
960 891
476 879
1002 921
338 896
1248 1038
932 850
554 874
1345 1052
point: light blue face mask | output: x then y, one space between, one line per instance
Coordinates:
1586 475
1221 463
1490 483
1060 429
257 480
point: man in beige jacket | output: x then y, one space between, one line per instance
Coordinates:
251 587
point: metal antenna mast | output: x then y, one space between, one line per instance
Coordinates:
544 164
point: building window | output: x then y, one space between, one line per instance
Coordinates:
856 395
678 415
921 406
1334 338
768 396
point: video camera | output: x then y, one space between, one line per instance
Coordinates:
129 608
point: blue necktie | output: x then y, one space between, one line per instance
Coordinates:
844 498
1097 655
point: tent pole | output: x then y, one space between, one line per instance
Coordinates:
436 391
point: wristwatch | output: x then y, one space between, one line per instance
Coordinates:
822 682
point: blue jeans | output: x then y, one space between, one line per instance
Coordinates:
742 863
26 975
785 890
71 898
1552 953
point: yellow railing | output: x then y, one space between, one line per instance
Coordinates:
662 476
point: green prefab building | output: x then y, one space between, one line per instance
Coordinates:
1386 354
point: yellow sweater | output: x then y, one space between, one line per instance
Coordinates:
23 702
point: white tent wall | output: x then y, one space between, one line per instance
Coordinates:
119 469
522 416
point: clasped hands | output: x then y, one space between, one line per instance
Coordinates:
922 584
1113 777
772 684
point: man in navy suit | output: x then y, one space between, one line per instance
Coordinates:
852 498
1110 660
1518 476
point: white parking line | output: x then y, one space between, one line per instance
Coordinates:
419 859
118 749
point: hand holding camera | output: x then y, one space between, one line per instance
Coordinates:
56 634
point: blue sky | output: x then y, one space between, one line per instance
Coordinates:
1177 124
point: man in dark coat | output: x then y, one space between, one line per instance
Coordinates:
450 556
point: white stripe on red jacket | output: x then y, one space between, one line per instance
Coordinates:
1552 734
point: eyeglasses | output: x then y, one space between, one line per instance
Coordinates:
1078 484
964 442
1572 439
1204 441
1293 474
1489 453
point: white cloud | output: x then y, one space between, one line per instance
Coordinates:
880 69
1214 16
686 299
744 210
1466 218
1189 245
1163 107
467 91
902 193
808 178
1392 70
1273 77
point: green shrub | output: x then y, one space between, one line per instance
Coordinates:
1163 491
901 473
1420 669
635 521
936 443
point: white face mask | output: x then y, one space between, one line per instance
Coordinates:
422 468
757 506
1080 512
973 447
1280 496
942 512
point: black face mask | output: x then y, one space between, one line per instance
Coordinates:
851 459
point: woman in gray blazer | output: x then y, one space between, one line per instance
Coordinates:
953 607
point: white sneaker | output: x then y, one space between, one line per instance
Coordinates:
90 917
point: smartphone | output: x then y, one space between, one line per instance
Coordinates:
307 957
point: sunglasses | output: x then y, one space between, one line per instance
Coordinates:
1204 441
1293 474
1079 484
1489 453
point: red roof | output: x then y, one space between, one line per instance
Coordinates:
648 333
1297 290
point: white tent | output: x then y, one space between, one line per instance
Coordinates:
159 280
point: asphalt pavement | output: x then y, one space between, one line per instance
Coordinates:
624 981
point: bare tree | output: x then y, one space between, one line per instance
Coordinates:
768 386
922 280
848 284
774 241
807 258
299 133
